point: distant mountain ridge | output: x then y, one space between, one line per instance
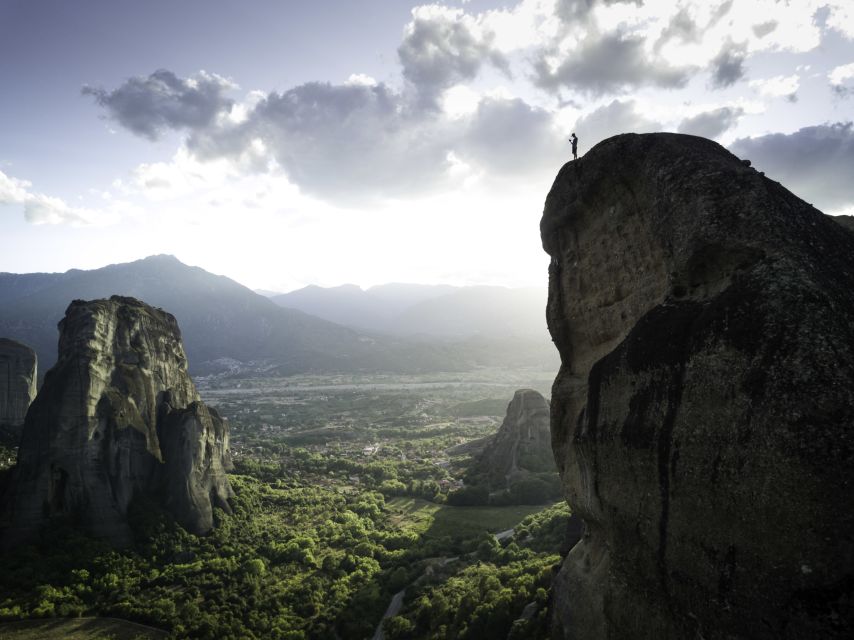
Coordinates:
228 327
431 310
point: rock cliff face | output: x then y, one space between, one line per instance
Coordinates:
522 444
703 416
17 381
118 416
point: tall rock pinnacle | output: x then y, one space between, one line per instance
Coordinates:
118 416
17 381
522 444
703 416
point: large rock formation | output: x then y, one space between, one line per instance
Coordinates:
703 416
522 444
17 381
118 416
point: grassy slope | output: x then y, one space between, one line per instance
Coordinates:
78 629
436 520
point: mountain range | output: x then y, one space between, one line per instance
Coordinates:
227 327
431 310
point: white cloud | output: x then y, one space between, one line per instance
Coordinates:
443 46
841 73
12 190
364 141
841 17
459 101
841 80
778 86
39 208
42 209
618 116
360 80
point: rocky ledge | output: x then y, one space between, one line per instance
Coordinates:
703 416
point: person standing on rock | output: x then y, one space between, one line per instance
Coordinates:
574 141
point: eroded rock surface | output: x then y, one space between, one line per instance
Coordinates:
17 381
703 416
522 444
118 416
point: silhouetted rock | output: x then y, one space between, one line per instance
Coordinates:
522 444
703 417
118 416
17 381
845 221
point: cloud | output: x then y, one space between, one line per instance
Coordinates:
42 209
151 105
841 80
443 46
364 140
778 86
509 136
612 119
762 29
12 190
355 143
840 16
711 124
602 64
815 162
728 66
340 142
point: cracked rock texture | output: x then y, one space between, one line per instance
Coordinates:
522 444
17 381
703 416
116 417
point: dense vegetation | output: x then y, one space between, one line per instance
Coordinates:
322 535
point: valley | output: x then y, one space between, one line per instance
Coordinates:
342 487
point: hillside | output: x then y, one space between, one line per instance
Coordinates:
437 310
227 327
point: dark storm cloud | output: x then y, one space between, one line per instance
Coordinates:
441 47
607 63
728 66
610 120
816 163
148 106
711 124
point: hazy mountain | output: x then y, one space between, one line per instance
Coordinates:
227 326
218 317
400 296
267 293
439 310
484 311
347 305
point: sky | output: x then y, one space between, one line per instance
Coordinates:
286 143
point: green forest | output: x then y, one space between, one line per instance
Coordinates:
326 529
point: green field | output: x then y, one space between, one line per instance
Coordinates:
78 629
433 520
